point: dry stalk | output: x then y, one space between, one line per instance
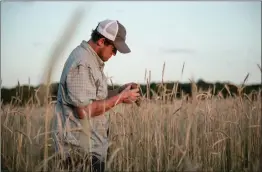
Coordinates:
56 52
259 68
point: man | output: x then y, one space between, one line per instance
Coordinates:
83 99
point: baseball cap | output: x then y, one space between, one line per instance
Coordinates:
116 32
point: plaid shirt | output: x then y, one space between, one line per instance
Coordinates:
82 81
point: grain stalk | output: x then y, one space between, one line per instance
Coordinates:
54 56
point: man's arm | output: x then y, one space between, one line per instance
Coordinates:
82 93
99 107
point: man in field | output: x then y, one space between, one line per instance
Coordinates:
83 99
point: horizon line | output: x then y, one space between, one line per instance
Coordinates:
143 83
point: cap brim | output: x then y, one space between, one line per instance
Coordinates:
122 47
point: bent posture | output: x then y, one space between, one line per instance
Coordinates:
83 98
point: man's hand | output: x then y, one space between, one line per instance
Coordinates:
115 92
130 93
132 84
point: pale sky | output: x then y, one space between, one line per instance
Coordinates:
218 41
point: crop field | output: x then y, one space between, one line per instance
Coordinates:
202 133
199 135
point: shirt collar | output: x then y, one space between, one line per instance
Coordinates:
85 45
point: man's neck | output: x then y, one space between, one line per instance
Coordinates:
93 45
95 48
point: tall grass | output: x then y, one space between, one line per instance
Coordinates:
205 135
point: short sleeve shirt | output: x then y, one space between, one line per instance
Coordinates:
82 82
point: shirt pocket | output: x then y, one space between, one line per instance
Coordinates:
101 86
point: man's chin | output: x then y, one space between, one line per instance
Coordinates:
105 59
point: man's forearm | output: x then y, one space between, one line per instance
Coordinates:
98 107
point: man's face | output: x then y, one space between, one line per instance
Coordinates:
106 51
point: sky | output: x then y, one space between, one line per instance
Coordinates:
217 41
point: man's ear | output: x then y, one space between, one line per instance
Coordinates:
101 42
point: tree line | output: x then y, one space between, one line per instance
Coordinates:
25 94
